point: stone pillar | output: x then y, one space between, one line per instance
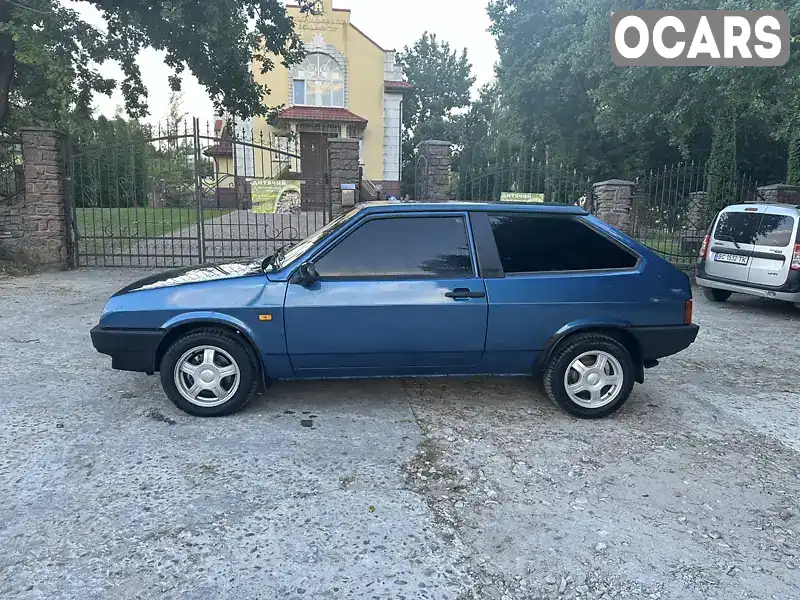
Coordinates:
45 211
434 158
343 163
697 212
780 193
613 200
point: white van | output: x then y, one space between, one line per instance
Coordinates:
752 249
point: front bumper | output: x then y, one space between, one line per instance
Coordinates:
129 349
658 342
752 291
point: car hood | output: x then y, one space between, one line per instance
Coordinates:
196 274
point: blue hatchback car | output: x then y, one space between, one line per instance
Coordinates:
407 290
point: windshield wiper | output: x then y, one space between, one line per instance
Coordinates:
727 238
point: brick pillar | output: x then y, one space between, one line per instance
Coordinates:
434 158
343 162
613 199
780 193
45 241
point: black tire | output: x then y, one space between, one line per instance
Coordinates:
567 352
238 349
715 295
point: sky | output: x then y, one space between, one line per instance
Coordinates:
391 23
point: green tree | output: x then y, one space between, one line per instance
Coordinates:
49 56
556 76
793 176
172 168
721 169
442 80
112 168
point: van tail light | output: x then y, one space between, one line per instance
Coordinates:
704 247
687 312
796 258
703 254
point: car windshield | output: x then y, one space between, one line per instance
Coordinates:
755 228
289 255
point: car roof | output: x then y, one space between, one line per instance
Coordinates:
781 209
422 206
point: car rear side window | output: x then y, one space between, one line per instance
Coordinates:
538 244
402 247
755 228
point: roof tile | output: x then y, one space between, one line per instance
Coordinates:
320 113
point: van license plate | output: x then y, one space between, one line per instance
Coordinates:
732 258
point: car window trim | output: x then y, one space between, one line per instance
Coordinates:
379 217
585 223
488 256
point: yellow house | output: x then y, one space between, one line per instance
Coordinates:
347 86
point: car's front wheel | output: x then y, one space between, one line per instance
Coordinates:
590 375
715 295
209 373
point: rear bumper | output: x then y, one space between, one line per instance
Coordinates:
752 291
129 349
658 342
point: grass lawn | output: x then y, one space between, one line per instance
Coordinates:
665 245
679 252
139 222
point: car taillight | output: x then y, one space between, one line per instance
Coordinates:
687 312
704 247
796 258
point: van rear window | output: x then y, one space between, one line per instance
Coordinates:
755 228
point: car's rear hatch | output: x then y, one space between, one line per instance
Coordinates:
774 247
753 244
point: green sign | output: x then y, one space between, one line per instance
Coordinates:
521 197
267 193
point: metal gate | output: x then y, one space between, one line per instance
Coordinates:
180 196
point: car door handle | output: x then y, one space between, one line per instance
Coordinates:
464 293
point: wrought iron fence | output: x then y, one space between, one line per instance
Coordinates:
508 173
183 194
421 177
12 188
672 208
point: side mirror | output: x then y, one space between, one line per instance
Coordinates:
307 274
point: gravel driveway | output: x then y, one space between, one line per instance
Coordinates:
437 489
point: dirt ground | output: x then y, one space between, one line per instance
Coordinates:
437 489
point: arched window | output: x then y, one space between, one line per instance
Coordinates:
319 81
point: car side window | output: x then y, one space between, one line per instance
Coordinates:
401 247
540 244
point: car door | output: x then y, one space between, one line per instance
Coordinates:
557 271
732 243
773 247
400 294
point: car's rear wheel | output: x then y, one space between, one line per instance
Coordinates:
209 373
715 295
590 375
